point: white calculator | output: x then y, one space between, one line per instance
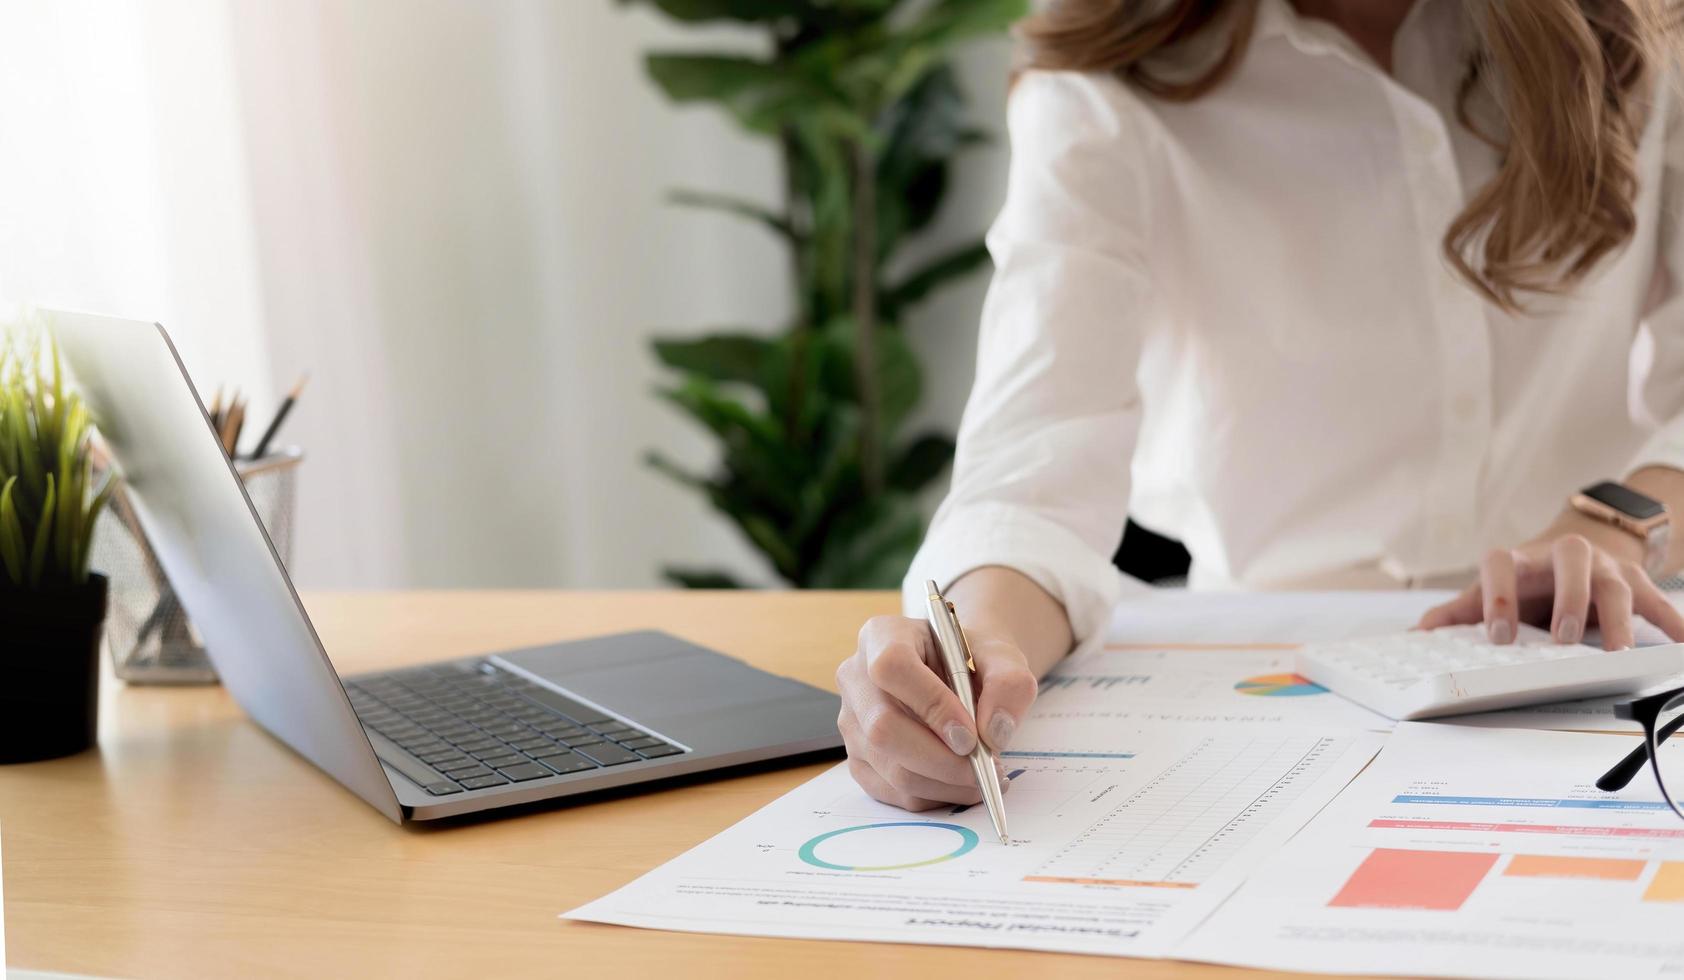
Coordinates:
1458 670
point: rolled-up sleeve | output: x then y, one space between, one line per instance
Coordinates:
1661 395
1041 476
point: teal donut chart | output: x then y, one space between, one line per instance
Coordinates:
967 841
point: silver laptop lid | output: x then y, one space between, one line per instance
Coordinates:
214 549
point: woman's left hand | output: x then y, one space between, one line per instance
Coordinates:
1578 573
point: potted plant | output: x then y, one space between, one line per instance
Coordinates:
863 103
52 609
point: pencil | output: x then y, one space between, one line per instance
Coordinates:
280 417
236 422
226 433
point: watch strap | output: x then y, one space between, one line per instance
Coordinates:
1652 526
1659 541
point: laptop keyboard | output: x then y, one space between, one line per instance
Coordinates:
476 727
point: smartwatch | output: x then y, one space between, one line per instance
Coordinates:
1632 512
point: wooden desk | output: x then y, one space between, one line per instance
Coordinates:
192 844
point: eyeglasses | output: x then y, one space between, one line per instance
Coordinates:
1660 715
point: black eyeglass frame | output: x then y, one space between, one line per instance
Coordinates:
1646 711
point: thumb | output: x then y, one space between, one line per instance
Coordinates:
1008 688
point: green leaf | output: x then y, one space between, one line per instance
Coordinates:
870 547
701 578
8 444
749 210
924 460
922 131
43 537
722 415
762 96
828 188
876 75
661 464
12 553
761 521
29 462
716 77
929 123
899 379
744 10
70 497
927 278
838 481
948 22
767 468
789 378
737 358
768 539
58 397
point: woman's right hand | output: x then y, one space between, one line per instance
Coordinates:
909 739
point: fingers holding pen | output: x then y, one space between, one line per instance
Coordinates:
899 657
877 726
905 759
909 738
1008 688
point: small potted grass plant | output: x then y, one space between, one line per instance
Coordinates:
52 608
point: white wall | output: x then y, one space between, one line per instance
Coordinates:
450 212
120 173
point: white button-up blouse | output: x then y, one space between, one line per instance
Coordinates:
1233 318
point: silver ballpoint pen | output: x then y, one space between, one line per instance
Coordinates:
956 654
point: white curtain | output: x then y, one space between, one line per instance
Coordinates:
450 213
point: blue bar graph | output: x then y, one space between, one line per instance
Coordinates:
1031 755
1534 803
1093 682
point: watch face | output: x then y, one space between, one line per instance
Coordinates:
1628 502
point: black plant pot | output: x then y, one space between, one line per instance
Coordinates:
49 652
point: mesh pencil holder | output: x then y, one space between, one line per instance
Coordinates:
151 639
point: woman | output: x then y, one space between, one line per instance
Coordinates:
1342 293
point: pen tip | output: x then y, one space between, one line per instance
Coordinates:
298 388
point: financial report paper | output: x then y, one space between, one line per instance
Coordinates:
1467 852
1122 841
1254 686
1204 684
1202 638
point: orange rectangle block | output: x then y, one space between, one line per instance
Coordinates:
1114 882
1394 879
1668 883
1544 866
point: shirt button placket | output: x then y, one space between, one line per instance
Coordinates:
1464 346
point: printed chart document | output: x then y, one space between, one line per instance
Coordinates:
1470 852
1121 843
1190 641
1232 684
1191 683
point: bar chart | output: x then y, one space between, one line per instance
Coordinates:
1445 881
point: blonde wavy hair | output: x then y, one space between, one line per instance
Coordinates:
1569 81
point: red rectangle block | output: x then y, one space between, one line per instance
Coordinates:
1392 879
1659 833
1552 866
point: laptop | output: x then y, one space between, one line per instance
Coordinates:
438 740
